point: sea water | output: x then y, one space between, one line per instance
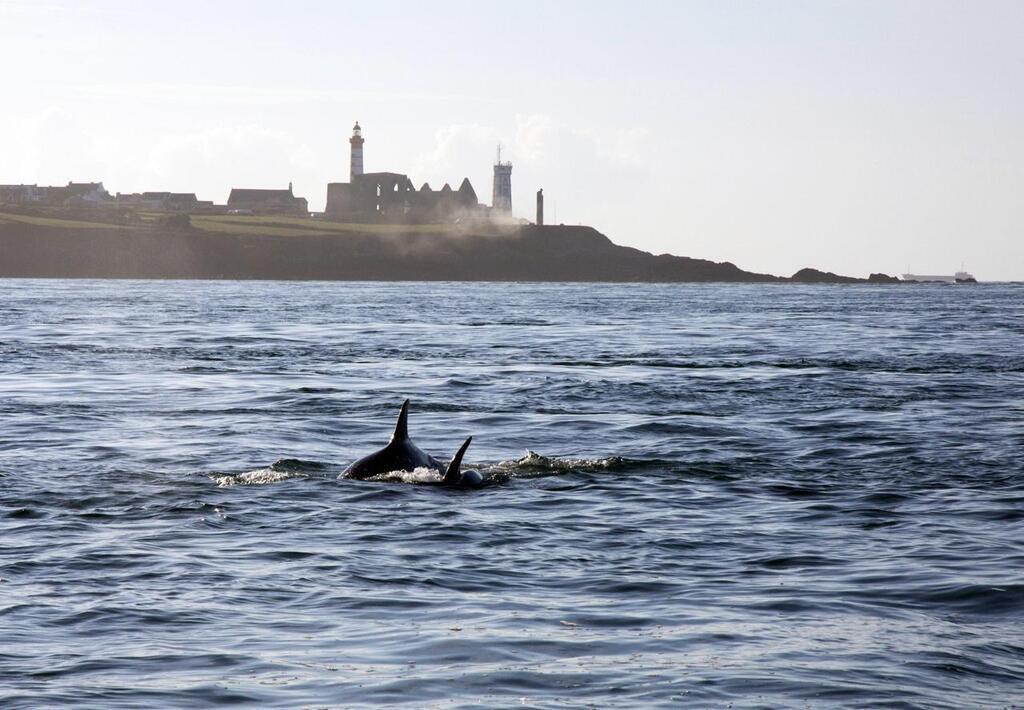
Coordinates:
699 495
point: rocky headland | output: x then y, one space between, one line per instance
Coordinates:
306 249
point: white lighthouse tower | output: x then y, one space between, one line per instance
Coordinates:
356 141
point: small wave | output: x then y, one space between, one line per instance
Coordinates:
478 323
979 599
25 514
278 471
533 461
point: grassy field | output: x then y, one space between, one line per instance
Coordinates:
282 226
299 226
271 226
37 221
307 225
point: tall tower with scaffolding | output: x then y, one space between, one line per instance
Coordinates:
356 141
502 196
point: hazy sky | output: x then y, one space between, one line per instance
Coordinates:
852 136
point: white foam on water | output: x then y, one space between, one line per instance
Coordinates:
533 460
259 477
419 475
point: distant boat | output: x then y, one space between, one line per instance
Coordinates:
960 277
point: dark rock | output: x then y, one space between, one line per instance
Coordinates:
882 279
814 276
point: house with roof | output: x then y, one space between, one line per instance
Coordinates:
163 201
82 194
73 194
267 202
21 194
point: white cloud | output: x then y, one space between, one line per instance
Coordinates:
458 150
55 147
234 95
211 162
578 166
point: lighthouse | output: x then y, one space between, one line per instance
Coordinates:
356 141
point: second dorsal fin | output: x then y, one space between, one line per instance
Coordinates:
454 472
401 432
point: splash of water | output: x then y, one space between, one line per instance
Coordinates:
532 461
420 475
259 477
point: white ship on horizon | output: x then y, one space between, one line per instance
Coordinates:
960 277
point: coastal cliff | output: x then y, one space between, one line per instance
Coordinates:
312 250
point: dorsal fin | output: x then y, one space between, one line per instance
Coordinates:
453 474
401 432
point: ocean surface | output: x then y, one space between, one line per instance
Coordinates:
698 496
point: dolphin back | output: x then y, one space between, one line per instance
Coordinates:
401 432
400 454
454 474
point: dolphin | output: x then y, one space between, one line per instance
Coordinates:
399 455
456 478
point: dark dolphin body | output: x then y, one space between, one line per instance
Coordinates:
456 478
399 455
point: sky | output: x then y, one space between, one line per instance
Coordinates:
853 136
